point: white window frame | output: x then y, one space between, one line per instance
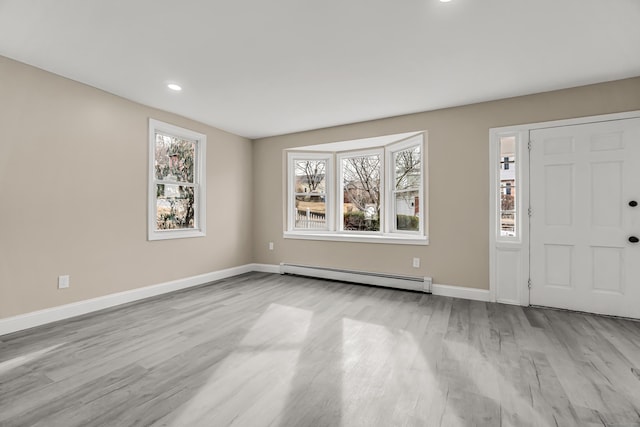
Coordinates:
390 151
334 231
199 182
291 193
339 196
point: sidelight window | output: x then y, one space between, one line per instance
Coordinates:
508 187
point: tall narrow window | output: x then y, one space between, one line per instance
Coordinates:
361 191
310 193
508 187
176 196
407 186
309 184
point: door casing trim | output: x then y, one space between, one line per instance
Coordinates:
509 267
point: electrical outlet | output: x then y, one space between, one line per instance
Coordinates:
270 246
63 282
416 263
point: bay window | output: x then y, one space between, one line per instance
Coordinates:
376 193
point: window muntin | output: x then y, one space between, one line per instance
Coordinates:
378 195
176 188
508 187
361 191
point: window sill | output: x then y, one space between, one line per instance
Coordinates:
393 239
175 234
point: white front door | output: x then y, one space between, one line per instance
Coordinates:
584 186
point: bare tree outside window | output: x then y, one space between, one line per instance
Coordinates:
407 163
361 184
310 176
177 186
310 194
174 170
406 192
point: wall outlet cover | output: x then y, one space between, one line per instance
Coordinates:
63 282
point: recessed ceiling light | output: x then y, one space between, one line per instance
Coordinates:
445 1
174 86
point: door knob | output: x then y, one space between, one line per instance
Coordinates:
633 203
634 239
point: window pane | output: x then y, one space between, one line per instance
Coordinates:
407 168
174 158
175 207
508 223
361 197
507 210
310 176
508 186
311 211
407 211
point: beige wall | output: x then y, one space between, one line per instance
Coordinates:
73 191
458 157
73 195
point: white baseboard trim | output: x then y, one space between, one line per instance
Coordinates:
266 268
49 315
461 292
41 317
510 302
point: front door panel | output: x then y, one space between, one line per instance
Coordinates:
582 181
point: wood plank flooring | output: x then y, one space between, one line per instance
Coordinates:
271 350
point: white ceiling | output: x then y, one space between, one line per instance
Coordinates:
358 144
267 67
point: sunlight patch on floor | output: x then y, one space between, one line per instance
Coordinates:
494 384
426 394
254 382
383 368
10 364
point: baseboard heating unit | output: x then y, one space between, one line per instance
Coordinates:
411 283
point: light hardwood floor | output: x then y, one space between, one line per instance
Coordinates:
270 350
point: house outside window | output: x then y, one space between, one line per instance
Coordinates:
508 187
310 184
406 164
